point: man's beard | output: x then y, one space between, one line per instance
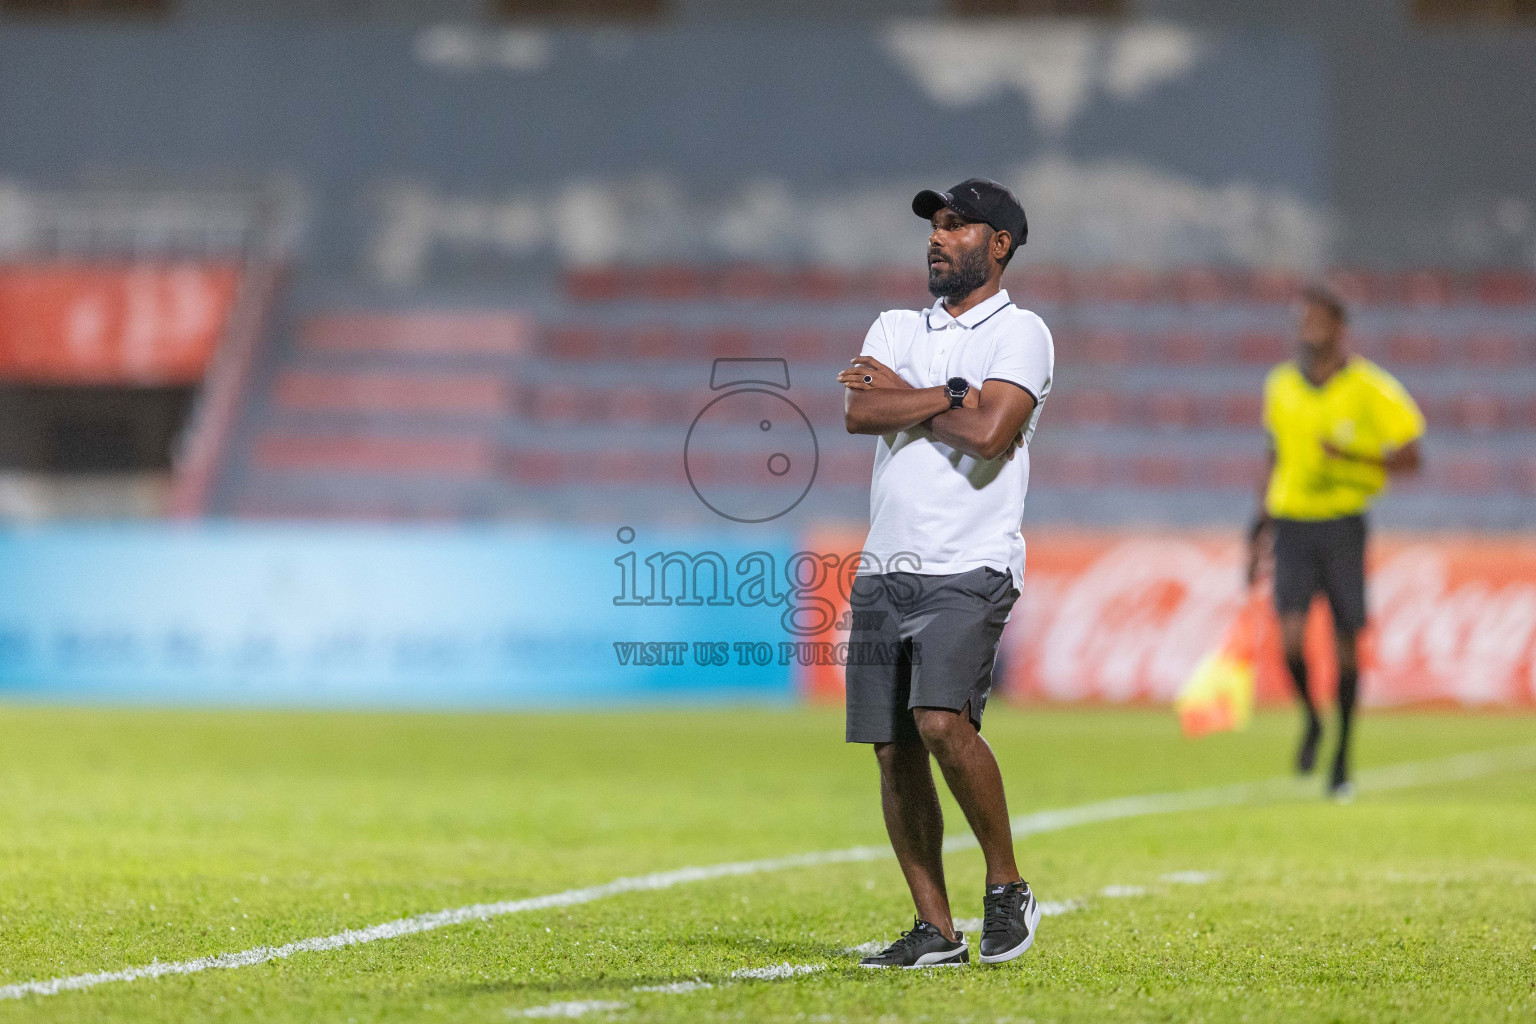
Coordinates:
957 280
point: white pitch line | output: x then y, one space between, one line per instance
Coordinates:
1416 773
777 972
673 988
582 1007
574 1008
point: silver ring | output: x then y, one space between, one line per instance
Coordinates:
868 379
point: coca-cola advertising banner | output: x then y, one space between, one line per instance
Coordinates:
152 323
1125 617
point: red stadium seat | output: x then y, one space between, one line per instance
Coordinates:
1070 469
1523 474
1230 471
1043 282
899 286
1430 288
634 406
1505 287
1239 409
1160 471
749 282
349 508
1202 285
618 466
817 284
1523 414
1413 349
534 467
1116 284
1273 286
1172 409
1360 287
341 453
594 284
1371 344
1265 348
1105 348
812 346
573 342
1493 349
418 333
1089 407
1439 411
1476 473
1480 413
1188 348
453 394
653 343
819 405
558 403
673 283
731 344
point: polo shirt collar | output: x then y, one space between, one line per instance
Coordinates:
938 316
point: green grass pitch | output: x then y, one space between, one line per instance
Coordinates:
128 837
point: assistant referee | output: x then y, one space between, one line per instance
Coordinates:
1339 426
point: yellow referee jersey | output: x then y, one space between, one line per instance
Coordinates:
1362 409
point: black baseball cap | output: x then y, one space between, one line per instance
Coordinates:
978 199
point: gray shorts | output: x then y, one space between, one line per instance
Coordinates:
922 642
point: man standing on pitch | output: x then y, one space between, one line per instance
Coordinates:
953 392
1339 425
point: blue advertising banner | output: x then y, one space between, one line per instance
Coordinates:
307 615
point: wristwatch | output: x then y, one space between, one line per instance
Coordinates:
956 388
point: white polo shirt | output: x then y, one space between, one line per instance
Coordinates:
932 509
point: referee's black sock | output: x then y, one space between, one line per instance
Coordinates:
1298 667
1349 688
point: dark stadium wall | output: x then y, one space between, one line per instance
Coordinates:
1431 161
1419 147
440 151
1408 143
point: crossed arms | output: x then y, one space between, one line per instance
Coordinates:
988 425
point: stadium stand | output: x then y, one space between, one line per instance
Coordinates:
114 303
581 406
428 359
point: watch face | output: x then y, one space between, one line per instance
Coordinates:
958 385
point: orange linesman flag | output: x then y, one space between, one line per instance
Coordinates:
1218 695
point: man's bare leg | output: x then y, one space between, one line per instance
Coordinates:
915 822
971 771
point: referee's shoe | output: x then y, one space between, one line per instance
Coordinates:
1012 917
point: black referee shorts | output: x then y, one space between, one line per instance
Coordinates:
1324 556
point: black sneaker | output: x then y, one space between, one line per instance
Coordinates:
923 946
1008 929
